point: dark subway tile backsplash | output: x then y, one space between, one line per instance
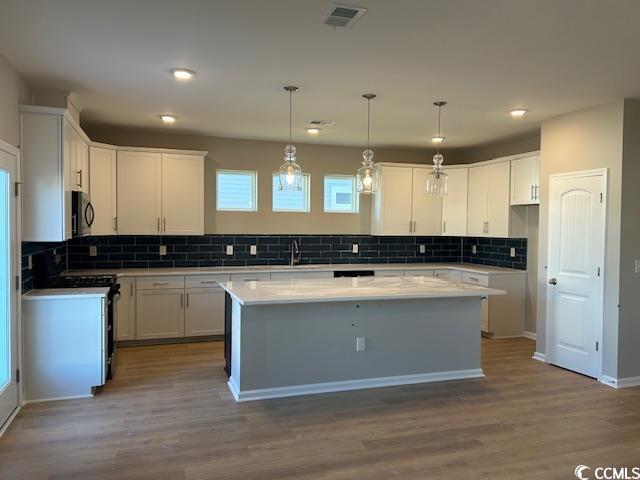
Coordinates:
116 252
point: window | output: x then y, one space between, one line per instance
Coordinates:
236 190
340 194
291 200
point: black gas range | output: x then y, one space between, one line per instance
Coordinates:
86 281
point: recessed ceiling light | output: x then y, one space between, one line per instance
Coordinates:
313 130
183 73
166 118
437 139
518 112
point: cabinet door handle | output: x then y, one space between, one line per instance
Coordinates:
205 282
164 221
78 178
158 225
182 299
533 195
187 299
131 290
410 226
473 279
444 227
160 283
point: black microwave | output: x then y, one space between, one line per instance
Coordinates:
82 214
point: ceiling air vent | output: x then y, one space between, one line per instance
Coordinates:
343 15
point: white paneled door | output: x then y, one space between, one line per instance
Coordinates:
576 270
9 249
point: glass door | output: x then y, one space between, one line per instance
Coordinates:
8 292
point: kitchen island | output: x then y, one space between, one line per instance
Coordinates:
300 337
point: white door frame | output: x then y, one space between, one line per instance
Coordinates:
11 150
549 338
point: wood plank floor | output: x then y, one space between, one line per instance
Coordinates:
168 415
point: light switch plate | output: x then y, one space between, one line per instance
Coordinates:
354 248
30 262
229 249
512 252
163 250
637 266
474 249
423 249
360 344
253 250
93 251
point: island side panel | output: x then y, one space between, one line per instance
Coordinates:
236 346
313 343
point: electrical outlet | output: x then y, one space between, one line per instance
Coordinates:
423 248
474 249
253 250
163 250
354 248
360 344
93 251
637 266
229 249
512 252
30 262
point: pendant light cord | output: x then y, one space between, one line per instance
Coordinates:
290 114
439 133
368 121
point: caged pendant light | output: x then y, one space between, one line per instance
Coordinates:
437 178
290 173
367 178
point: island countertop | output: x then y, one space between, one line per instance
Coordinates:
350 289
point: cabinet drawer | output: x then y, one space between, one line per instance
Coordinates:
475 279
204 281
160 282
250 277
418 273
443 274
389 273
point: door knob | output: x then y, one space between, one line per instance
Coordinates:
553 281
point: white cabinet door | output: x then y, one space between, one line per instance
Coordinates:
477 201
426 209
204 312
139 193
182 194
160 313
83 164
126 310
454 203
102 164
392 203
525 183
498 207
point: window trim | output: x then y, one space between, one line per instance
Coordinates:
254 189
306 181
356 197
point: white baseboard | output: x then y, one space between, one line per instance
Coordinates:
541 357
620 382
74 397
264 393
530 335
6 424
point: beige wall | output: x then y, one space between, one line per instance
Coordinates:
265 158
629 321
13 91
584 140
529 143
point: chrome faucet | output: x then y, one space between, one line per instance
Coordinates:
296 256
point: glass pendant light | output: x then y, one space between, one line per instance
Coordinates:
290 173
437 178
367 176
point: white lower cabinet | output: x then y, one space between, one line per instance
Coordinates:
204 312
160 313
126 310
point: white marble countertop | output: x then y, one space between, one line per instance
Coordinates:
141 272
53 293
350 289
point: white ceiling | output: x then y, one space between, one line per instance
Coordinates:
484 57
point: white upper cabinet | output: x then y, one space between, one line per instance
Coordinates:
488 200
139 190
426 209
49 141
392 203
454 203
525 180
102 163
182 194
401 206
